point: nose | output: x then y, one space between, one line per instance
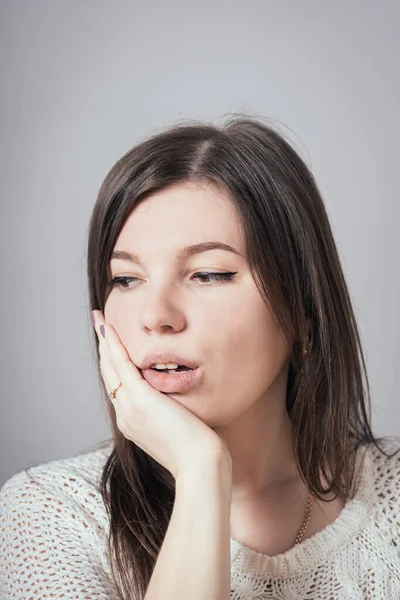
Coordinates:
162 310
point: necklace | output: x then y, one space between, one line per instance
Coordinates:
306 521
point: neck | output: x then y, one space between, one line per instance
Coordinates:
259 442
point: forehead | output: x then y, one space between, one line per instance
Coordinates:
181 215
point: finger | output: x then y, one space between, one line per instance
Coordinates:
110 377
97 319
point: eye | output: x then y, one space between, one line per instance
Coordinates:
215 277
122 282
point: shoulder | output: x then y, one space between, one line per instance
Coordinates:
54 529
385 468
382 474
46 487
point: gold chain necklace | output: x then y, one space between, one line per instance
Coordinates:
306 520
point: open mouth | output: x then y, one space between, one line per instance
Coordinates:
169 371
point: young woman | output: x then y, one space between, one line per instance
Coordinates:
242 463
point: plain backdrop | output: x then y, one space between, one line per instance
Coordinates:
84 80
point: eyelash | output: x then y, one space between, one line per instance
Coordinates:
215 277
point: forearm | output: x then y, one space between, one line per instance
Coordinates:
194 560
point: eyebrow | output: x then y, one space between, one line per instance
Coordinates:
182 253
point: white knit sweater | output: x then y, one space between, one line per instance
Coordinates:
53 540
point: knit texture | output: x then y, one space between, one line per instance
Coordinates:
54 527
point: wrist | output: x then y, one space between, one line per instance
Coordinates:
212 470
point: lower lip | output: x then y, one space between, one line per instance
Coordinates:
175 382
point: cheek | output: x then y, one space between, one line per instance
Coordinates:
248 348
112 314
116 316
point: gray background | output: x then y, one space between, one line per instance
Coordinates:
82 81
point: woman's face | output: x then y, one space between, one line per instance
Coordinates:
223 326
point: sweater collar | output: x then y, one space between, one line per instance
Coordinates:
317 549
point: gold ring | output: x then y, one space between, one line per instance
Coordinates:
112 394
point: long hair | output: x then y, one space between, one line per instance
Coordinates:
295 264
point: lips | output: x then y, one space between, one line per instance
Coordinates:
174 382
166 357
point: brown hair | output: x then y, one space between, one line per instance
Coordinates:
294 261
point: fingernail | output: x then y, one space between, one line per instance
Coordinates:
92 318
102 331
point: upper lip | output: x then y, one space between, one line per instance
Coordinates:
166 357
